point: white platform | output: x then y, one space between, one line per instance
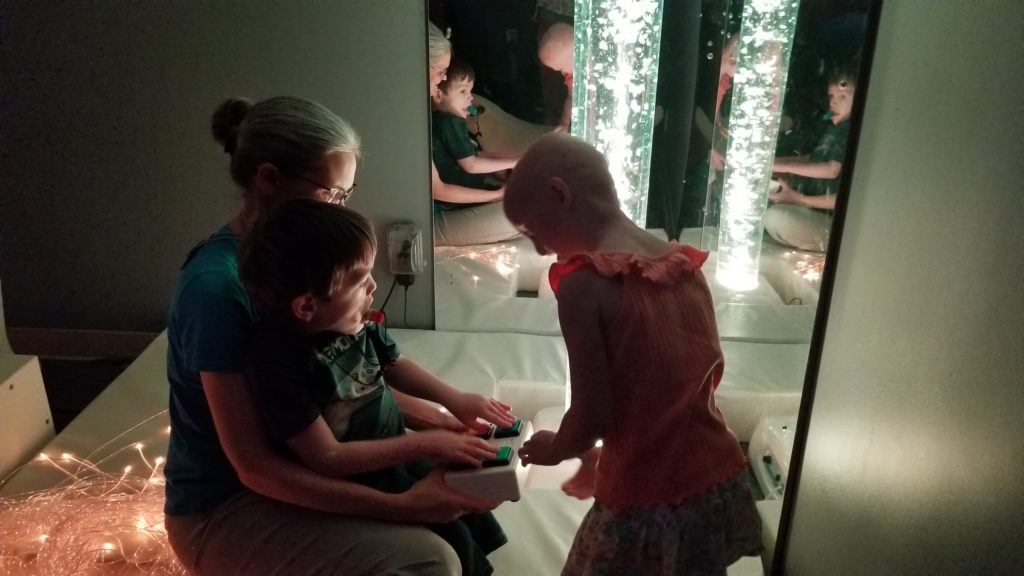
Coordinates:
540 526
25 421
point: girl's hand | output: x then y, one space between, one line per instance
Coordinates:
431 501
453 447
539 449
468 408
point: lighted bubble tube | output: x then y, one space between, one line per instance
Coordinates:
616 47
765 39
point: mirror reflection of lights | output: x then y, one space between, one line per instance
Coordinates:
760 80
616 48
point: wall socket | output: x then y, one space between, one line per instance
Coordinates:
405 249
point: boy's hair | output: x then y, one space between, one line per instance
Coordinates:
459 69
305 246
842 76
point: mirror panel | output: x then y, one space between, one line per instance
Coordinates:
708 68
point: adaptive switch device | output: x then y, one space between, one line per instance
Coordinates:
509 432
500 477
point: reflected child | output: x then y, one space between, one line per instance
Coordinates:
801 214
456 155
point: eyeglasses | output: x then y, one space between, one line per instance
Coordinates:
334 195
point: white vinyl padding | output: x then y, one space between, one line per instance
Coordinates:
540 526
472 295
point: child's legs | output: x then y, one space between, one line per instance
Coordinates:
700 537
255 536
798 226
482 224
473 537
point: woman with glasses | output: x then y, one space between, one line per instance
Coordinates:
234 503
462 216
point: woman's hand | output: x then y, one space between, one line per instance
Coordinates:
539 449
469 408
785 195
452 447
431 501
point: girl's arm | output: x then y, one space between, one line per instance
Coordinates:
460 194
587 303
414 380
485 164
264 470
802 166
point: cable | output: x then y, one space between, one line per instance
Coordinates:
405 306
388 297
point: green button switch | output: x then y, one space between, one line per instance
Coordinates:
510 432
504 458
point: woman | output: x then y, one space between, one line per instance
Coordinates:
482 220
234 504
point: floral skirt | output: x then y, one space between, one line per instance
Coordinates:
701 536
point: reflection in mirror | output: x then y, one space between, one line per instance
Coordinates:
752 115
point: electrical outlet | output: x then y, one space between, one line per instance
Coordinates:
405 249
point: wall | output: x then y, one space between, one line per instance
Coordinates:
914 460
109 174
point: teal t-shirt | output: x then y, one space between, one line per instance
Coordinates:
831 146
207 331
451 143
298 378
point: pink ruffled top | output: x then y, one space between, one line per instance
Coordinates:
667 441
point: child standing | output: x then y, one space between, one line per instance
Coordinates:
801 215
322 372
639 324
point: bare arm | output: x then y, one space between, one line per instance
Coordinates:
586 304
411 378
264 470
486 164
802 166
318 448
420 415
460 194
787 195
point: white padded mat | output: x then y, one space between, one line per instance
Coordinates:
540 526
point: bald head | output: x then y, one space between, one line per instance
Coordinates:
554 49
555 166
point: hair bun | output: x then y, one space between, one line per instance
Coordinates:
226 120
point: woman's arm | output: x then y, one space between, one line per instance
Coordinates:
802 166
787 195
460 194
318 448
486 164
264 470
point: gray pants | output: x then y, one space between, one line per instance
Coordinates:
255 536
798 226
481 224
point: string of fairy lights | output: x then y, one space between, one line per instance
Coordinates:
102 518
